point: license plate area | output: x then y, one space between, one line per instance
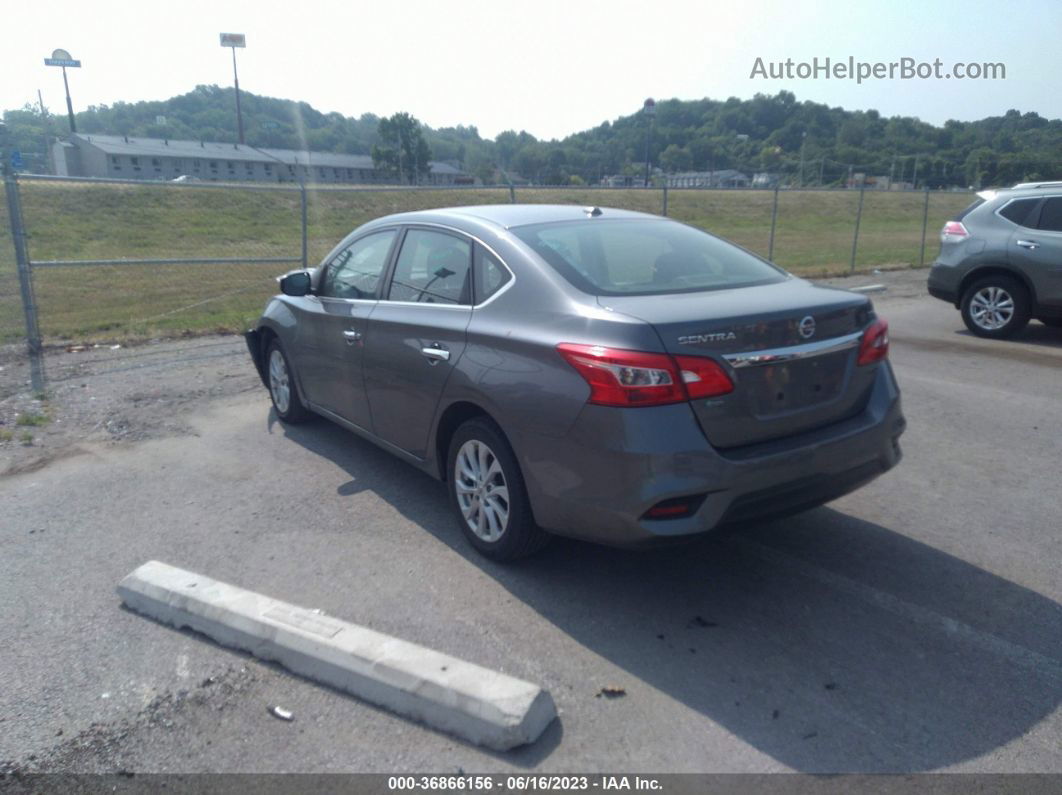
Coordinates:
791 386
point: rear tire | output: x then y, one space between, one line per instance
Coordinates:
283 390
488 495
995 307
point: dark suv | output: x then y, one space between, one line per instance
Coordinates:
1000 260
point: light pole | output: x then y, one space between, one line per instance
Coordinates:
649 109
62 58
235 40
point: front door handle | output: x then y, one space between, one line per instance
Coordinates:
436 354
351 336
1032 245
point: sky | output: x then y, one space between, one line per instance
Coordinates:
551 68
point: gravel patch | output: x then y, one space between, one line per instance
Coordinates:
113 395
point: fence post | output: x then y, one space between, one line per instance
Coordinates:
665 199
302 195
25 282
859 216
774 221
925 221
512 194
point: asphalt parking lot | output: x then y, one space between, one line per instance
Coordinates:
914 625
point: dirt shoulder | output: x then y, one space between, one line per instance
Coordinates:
113 395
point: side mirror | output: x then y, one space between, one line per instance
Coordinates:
295 283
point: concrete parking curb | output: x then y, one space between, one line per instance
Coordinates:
480 705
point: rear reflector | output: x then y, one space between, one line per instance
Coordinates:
675 508
875 343
633 378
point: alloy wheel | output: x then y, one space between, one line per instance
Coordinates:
482 492
279 382
992 308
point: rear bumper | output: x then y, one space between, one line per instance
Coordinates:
598 481
943 283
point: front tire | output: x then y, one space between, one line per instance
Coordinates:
995 307
283 390
488 495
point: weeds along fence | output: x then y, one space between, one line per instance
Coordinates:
114 261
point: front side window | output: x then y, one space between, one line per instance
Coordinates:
432 268
356 270
644 257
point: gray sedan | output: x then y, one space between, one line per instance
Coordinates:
596 373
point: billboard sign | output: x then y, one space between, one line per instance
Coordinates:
233 40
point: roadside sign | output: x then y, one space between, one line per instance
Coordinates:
16 159
233 40
61 58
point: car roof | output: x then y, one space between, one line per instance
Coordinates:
509 216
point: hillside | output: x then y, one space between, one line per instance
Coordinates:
766 133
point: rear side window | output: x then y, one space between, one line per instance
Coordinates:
1017 211
432 268
1051 215
491 275
644 257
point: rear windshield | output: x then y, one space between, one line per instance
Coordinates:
644 257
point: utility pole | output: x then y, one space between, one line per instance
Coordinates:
822 168
235 40
803 140
914 177
649 109
44 122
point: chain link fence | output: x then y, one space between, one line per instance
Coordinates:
118 263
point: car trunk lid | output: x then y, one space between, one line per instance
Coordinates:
789 347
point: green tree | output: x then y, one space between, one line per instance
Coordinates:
675 158
402 150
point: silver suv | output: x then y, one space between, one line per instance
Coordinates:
1000 260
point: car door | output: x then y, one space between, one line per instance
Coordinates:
416 334
332 327
1037 251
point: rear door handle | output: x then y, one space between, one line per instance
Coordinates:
1032 245
436 353
351 336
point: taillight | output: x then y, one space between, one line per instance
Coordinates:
632 378
703 377
953 232
875 343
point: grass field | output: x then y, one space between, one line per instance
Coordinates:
83 221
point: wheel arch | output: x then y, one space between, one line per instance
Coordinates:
452 417
265 335
995 270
